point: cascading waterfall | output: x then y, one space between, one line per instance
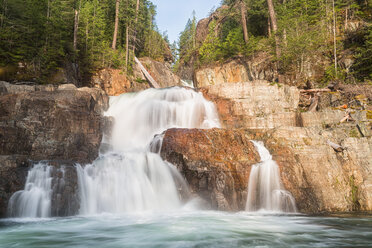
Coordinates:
35 200
265 189
130 175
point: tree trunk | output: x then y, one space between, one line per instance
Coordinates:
274 26
116 24
244 20
135 28
334 36
76 25
127 48
346 17
4 13
268 27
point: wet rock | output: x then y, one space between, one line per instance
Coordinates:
320 178
216 163
65 195
13 172
62 125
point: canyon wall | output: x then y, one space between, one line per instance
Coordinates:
321 177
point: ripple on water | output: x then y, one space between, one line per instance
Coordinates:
188 229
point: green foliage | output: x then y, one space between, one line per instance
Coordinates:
215 48
187 42
304 36
363 65
211 48
39 34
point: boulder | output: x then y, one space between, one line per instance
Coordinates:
215 162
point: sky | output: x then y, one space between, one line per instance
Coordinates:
172 15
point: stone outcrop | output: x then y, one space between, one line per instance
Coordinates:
259 104
255 104
258 67
161 72
57 124
215 162
115 82
321 177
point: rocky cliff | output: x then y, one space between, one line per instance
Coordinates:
115 82
325 163
62 124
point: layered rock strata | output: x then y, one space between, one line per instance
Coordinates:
63 125
325 163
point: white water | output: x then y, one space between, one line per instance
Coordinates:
35 200
131 176
265 191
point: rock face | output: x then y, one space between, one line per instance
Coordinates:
65 124
114 82
258 67
320 178
162 73
216 163
255 104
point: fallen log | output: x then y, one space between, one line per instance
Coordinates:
335 146
314 91
147 75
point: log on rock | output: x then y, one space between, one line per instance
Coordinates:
147 75
335 146
314 91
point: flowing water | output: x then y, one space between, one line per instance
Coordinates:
265 190
131 176
188 229
129 195
35 200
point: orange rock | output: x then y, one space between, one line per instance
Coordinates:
215 162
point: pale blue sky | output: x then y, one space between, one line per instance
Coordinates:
172 15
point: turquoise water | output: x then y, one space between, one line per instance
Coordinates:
189 229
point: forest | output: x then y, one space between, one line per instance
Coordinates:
43 36
40 37
330 32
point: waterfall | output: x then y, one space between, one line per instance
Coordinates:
35 200
265 189
130 176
